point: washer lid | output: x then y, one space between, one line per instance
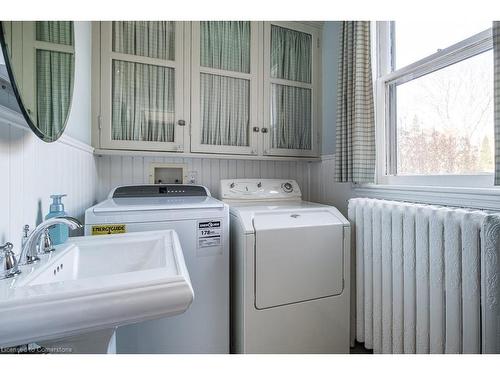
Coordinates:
299 256
156 204
246 212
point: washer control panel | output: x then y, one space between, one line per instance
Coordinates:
260 189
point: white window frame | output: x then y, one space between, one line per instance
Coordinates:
252 77
314 86
106 57
385 128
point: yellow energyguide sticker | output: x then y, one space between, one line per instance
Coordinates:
108 229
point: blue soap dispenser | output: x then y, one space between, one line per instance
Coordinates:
58 233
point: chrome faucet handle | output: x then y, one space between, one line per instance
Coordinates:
10 266
45 244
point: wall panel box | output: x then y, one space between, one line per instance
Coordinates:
160 173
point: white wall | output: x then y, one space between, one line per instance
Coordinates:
31 170
120 170
329 64
79 119
324 189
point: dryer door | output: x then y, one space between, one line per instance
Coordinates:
298 257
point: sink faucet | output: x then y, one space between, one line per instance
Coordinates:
29 253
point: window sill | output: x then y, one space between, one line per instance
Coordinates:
477 198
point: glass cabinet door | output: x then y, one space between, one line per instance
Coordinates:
142 78
224 87
290 85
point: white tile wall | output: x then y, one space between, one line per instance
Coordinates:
31 170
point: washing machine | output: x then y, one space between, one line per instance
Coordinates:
202 224
289 270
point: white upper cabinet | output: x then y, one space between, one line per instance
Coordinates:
225 87
224 79
142 85
290 89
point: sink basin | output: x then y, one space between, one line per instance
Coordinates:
94 284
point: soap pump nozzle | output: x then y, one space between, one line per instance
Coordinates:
57 205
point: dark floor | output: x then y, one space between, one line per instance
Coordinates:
359 348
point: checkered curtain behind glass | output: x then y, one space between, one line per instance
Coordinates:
355 133
496 54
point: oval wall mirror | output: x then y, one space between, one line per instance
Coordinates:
40 59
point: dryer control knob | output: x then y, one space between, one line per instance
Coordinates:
287 187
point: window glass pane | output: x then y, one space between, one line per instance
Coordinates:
154 39
290 117
54 75
225 115
445 120
291 57
416 39
58 32
143 105
225 45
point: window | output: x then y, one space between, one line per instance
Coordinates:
435 102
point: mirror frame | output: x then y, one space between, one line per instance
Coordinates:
17 93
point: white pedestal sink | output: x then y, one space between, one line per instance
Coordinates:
73 299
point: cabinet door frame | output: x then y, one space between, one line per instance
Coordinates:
315 87
253 77
106 57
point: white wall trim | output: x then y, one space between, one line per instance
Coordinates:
75 143
101 151
16 119
477 198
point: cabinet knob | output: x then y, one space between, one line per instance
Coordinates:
181 122
263 130
256 129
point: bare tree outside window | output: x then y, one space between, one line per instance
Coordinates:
445 120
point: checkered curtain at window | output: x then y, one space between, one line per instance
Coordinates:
355 133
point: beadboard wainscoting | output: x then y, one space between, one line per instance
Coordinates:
324 189
32 170
115 170
316 179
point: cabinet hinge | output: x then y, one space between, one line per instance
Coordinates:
317 42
